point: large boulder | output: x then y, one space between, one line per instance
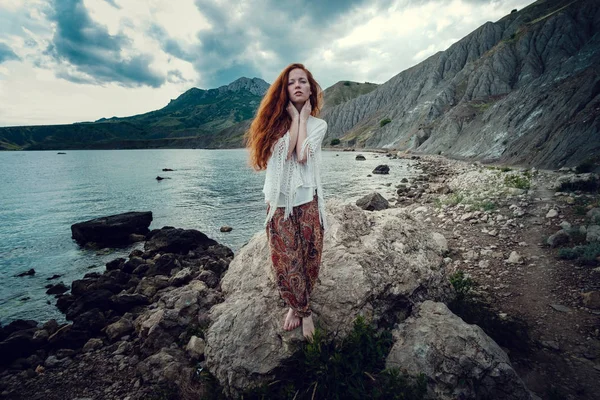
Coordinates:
114 230
459 360
375 264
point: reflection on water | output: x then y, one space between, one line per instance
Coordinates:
43 194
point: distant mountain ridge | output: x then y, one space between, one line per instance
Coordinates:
523 90
194 119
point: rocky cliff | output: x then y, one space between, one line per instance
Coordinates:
522 90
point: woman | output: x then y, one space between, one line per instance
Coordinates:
285 139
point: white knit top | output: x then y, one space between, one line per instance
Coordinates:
284 178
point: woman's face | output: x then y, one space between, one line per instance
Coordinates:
298 86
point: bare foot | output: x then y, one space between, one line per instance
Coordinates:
291 321
308 328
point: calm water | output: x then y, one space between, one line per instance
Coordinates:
42 194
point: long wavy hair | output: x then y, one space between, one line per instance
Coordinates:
272 120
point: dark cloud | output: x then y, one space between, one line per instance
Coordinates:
89 47
113 3
6 53
168 44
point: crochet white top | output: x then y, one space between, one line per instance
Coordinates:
286 178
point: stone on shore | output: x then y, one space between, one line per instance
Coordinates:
373 202
113 230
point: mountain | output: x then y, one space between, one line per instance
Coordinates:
522 90
194 119
344 91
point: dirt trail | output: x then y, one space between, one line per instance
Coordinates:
563 357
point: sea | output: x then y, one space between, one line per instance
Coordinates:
42 193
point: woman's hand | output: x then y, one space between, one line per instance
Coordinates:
292 111
305 111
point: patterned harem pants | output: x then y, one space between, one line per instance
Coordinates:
296 245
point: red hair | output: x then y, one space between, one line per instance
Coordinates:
272 120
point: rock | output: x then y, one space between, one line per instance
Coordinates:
165 365
516 191
124 302
167 170
459 360
95 299
59 288
120 328
182 277
159 178
514 258
444 189
31 272
592 233
210 278
559 238
591 299
565 226
373 264
373 202
552 213
561 308
571 182
92 321
594 215
551 344
178 241
195 348
53 277
441 242
113 230
360 157
226 229
382 170
92 344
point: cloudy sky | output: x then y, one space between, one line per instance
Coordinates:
63 61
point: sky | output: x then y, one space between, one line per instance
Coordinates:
66 61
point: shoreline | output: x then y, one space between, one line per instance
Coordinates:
484 222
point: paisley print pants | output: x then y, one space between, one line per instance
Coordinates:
296 245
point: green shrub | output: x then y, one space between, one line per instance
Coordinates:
346 83
505 169
334 142
567 253
353 368
585 254
384 122
517 181
462 284
455 199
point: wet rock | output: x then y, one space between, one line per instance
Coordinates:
113 230
31 272
59 288
177 241
382 170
